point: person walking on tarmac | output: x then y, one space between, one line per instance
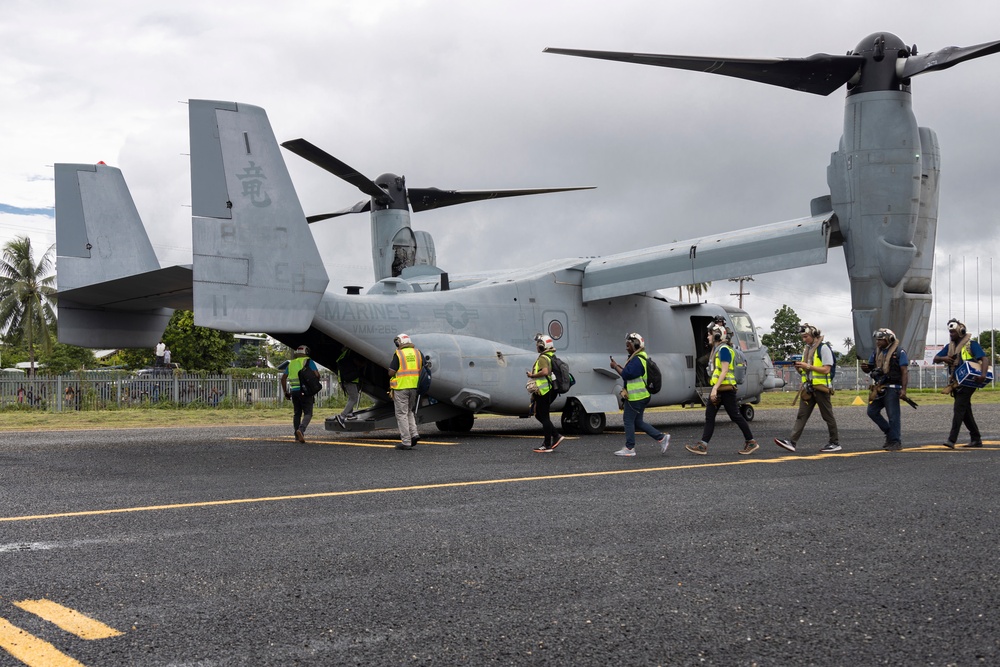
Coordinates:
889 368
636 395
962 348
302 405
722 361
404 376
817 361
543 392
349 367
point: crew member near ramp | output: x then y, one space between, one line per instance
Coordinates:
636 395
817 388
722 361
302 405
961 349
543 392
404 376
890 372
349 367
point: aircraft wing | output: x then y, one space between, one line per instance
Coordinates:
775 247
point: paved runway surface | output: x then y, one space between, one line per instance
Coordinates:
237 546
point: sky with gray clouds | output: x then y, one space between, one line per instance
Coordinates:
459 95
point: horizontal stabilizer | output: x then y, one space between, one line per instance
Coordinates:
256 265
782 245
169 287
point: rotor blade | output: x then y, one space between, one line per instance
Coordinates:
360 207
423 199
947 57
324 160
820 74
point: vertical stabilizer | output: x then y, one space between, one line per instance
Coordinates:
100 239
256 265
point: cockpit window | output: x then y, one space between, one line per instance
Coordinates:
745 331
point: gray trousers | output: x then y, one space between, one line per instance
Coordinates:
351 390
405 401
825 410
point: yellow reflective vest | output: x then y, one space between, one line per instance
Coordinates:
717 366
636 387
408 375
543 383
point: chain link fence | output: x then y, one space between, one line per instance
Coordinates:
852 378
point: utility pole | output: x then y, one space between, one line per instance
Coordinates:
741 293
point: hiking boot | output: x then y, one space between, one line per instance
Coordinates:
830 447
413 442
949 444
894 446
299 437
542 449
558 442
750 447
625 451
785 444
700 448
974 443
664 443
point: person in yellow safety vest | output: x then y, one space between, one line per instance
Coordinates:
815 366
636 395
301 405
543 392
722 360
404 376
963 348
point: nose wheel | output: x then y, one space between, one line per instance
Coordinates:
747 411
577 420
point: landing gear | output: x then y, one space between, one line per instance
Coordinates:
747 411
577 420
460 424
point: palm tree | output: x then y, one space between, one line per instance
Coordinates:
697 289
27 294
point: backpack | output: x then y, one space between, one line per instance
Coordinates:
833 367
654 378
309 383
564 380
424 381
739 365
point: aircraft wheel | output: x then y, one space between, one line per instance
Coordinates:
747 411
593 423
460 424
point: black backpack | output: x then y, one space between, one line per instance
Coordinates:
564 380
424 381
654 378
309 384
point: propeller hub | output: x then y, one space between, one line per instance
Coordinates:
881 51
395 187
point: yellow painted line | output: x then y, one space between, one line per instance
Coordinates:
31 650
68 619
452 485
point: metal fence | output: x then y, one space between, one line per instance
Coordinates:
852 378
97 390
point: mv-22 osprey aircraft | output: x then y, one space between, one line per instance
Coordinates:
257 268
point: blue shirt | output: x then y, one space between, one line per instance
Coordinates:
632 370
974 347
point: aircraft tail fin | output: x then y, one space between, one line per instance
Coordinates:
100 241
256 265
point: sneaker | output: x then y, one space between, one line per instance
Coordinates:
785 444
625 451
402 446
894 447
830 447
974 443
557 442
299 437
949 444
750 447
664 443
413 442
699 448
542 449
340 420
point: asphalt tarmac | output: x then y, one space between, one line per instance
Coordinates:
238 546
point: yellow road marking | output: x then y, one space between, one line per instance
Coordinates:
68 619
451 485
31 650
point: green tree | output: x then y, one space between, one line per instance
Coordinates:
27 296
784 339
851 357
695 289
987 339
62 358
249 356
198 348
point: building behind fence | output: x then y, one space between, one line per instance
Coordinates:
101 390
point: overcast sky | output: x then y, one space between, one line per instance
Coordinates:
459 95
